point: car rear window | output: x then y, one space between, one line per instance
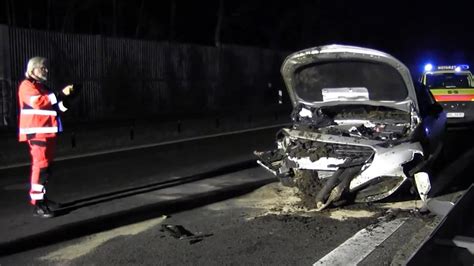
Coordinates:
382 81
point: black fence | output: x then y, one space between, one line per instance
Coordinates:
129 79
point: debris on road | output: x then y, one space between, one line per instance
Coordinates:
181 233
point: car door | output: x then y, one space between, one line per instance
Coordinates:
433 118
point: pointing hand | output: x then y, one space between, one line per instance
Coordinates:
68 90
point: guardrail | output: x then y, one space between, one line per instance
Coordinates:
452 242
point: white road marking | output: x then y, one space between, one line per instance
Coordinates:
356 248
91 242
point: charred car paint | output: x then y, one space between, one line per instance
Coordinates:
361 127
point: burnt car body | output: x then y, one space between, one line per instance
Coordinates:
361 126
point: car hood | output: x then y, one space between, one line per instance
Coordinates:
342 75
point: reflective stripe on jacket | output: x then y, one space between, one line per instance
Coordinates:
38 116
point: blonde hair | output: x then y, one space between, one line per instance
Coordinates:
33 63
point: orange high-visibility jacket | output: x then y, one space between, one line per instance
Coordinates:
38 111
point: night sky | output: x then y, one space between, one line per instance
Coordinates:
413 31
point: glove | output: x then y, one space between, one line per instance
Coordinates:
67 90
70 91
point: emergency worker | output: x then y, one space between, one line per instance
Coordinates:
39 123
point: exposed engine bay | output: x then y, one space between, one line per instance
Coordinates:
345 152
362 121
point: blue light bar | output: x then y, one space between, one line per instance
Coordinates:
456 68
428 67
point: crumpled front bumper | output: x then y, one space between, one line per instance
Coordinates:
384 167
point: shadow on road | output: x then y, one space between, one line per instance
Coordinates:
67 207
453 172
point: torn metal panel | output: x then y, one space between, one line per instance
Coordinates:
388 162
378 160
330 138
322 164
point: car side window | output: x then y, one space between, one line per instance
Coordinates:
425 98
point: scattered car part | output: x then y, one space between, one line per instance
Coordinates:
179 232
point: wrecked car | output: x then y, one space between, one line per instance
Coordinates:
361 127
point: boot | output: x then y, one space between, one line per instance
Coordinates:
52 205
42 210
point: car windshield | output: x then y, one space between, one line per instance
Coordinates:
447 80
376 81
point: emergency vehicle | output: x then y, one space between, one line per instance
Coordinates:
453 87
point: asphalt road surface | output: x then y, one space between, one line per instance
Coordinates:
264 227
